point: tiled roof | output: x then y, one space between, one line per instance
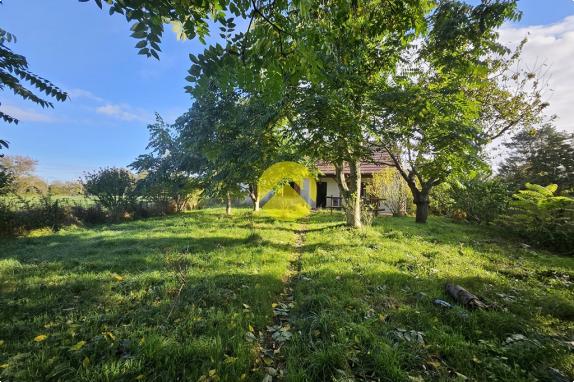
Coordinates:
379 161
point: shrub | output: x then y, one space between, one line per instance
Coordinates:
368 215
441 202
169 193
475 198
7 217
51 213
114 189
389 185
481 199
543 218
93 214
19 215
6 180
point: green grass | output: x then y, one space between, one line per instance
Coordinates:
34 199
173 299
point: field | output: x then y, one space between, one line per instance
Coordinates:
34 199
201 296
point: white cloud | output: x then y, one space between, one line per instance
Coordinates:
123 112
120 111
82 93
551 45
26 115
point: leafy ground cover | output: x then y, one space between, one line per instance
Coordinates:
189 297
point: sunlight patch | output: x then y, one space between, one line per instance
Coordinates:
288 190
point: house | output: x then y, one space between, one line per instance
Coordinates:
328 195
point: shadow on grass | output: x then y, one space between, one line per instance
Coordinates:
166 327
339 316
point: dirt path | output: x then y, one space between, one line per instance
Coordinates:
271 359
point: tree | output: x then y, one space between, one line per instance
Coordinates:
541 156
113 187
22 170
454 93
69 188
188 19
235 136
164 180
14 71
202 132
6 180
337 51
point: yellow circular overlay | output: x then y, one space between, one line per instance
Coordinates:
288 191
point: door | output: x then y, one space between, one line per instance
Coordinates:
321 195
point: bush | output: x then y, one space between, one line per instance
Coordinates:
389 185
477 198
6 181
19 215
168 193
480 198
114 188
7 218
441 202
542 218
91 215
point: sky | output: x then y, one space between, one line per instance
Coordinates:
114 92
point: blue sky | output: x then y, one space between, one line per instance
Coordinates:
114 92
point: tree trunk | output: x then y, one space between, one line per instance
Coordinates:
355 197
351 192
421 200
228 205
254 195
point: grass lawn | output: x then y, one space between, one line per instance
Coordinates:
190 297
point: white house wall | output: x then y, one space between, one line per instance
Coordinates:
332 187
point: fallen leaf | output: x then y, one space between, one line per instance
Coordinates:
79 345
86 361
1 343
4 365
140 377
228 360
117 277
250 337
268 361
40 338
